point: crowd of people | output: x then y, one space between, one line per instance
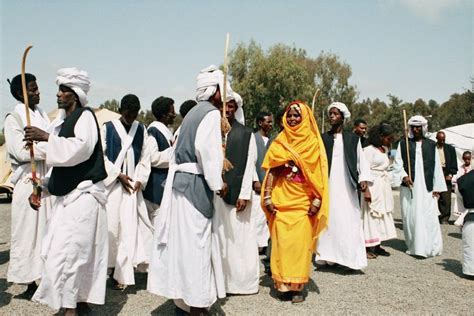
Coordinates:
197 208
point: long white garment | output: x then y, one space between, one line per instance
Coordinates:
467 237
343 241
420 211
185 262
27 225
74 248
377 216
237 235
130 229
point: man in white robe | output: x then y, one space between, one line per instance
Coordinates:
128 166
233 220
185 263
27 224
75 246
343 241
160 140
419 194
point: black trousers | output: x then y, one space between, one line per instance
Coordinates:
444 204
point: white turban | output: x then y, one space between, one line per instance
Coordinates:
418 120
77 80
239 113
341 107
207 81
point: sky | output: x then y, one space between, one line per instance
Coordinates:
408 48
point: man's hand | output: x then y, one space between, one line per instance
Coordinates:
241 204
448 177
363 186
367 196
436 194
407 181
257 187
125 181
222 192
137 186
35 134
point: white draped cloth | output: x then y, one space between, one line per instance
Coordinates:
377 216
343 241
130 229
419 207
27 225
75 247
467 236
185 262
238 236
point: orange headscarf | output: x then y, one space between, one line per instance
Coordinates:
303 145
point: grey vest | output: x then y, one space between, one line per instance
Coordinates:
193 186
261 151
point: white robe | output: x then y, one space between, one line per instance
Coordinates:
420 212
467 237
377 216
185 263
130 229
27 225
343 241
75 247
237 235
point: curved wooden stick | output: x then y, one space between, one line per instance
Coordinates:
315 96
407 147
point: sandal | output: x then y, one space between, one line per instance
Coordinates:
381 252
297 297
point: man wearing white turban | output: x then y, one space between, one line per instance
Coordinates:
185 262
343 241
233 221
75 246
419 194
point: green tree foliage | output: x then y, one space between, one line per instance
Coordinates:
269 80
112 105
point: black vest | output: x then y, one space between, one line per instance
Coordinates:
350 142
65 179
236 152
466 188
155 185
428 148
114 142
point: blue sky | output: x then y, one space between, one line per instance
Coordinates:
408 48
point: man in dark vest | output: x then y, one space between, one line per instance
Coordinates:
185 263
343 241
233 221
159 145
420 191
465 196
264 123
127 162
360 129
75 244
447 157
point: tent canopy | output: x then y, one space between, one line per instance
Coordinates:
461 137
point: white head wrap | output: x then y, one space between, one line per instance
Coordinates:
239 114
341 107
77 80
418 120
207 81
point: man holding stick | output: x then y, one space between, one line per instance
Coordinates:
417 167
75 246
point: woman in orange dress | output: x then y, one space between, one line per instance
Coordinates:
295 198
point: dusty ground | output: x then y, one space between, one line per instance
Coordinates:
399 284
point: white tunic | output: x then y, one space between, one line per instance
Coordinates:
343 241
27 225
419 207
467 237
377 216
237 235
185 262
130 229
75 246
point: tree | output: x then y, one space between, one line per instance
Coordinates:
459 109
112 105
268 81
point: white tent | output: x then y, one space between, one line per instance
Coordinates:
461 137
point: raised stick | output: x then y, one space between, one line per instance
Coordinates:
407 147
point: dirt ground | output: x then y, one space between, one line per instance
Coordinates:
399 284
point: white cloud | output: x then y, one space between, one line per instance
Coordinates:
430 10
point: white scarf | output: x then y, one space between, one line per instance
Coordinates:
126 153
163 130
